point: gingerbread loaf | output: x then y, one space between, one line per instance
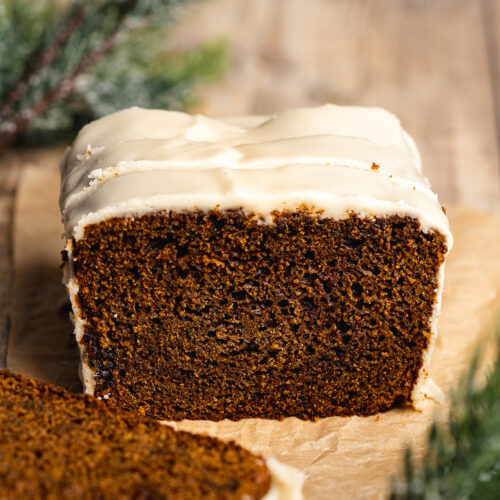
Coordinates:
252 266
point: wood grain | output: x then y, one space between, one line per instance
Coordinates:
491 22
9 174
11 167
435 63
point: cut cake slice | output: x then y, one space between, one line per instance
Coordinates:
56 445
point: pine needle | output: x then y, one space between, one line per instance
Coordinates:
95 57
463 457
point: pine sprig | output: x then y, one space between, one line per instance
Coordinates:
45 51
463 458
78 64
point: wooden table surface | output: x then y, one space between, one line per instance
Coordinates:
435 63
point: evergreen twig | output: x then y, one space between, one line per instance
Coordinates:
20 121
47 94
41 58
463 458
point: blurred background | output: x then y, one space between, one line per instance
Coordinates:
434 63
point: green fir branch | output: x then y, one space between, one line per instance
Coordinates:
463 457
166 82
91 59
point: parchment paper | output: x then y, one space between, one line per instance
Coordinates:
351 458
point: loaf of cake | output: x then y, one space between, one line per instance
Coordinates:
56 445
252 266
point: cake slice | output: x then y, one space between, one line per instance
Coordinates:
252 267
56 445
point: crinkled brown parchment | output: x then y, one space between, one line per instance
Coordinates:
342 457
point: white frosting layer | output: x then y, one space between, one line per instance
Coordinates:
286 481
333 159
138 160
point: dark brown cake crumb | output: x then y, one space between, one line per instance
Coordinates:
55 445
217 315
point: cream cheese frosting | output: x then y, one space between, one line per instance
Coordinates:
333 159
286 481
139 160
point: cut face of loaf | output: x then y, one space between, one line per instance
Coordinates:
252 268
59 445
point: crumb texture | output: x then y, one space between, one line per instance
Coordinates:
55 445
212 315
